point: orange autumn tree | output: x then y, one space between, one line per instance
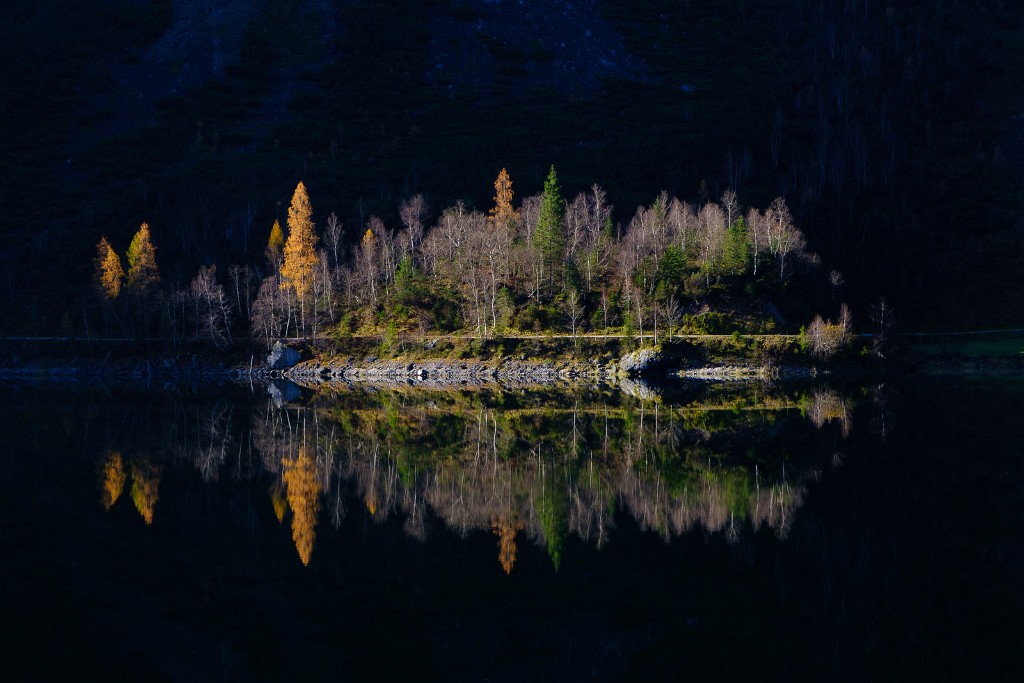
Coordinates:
300 259
502 213
109 273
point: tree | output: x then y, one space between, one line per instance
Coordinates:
142 281
413 213
549 237
143 275
275 245
109 273
212 314
300 260
827 338
502 214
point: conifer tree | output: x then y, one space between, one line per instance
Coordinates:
143 274
549 237
109 273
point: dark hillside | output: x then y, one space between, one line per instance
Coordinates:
892 131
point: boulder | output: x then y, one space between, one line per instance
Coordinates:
639 361
282 357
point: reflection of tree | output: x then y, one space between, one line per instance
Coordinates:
113 479
303 490
553 515
825 405
511 463
145 480
278 500
506 530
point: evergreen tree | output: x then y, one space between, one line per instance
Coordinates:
737 251
549 237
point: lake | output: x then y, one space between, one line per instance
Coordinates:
277 532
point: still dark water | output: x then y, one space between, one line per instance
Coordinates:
234 533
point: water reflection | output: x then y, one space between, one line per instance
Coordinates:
525 466
113 479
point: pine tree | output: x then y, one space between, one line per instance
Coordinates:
143 274
109 273
549 237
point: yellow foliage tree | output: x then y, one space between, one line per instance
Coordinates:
145 482
275 245
142 271
303 489
300 259
109 272
113 479
503 213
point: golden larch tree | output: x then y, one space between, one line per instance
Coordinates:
113 479
275 245
303 490
142 271
300 259
109 273
502 213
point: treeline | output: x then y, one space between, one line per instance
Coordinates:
544 265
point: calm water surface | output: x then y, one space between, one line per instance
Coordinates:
277 533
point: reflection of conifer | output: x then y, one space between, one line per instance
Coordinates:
553 512
303 489
145 481
114 477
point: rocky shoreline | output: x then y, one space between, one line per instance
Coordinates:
312 367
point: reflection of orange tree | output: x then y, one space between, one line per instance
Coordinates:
506 530
300 480
113 479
